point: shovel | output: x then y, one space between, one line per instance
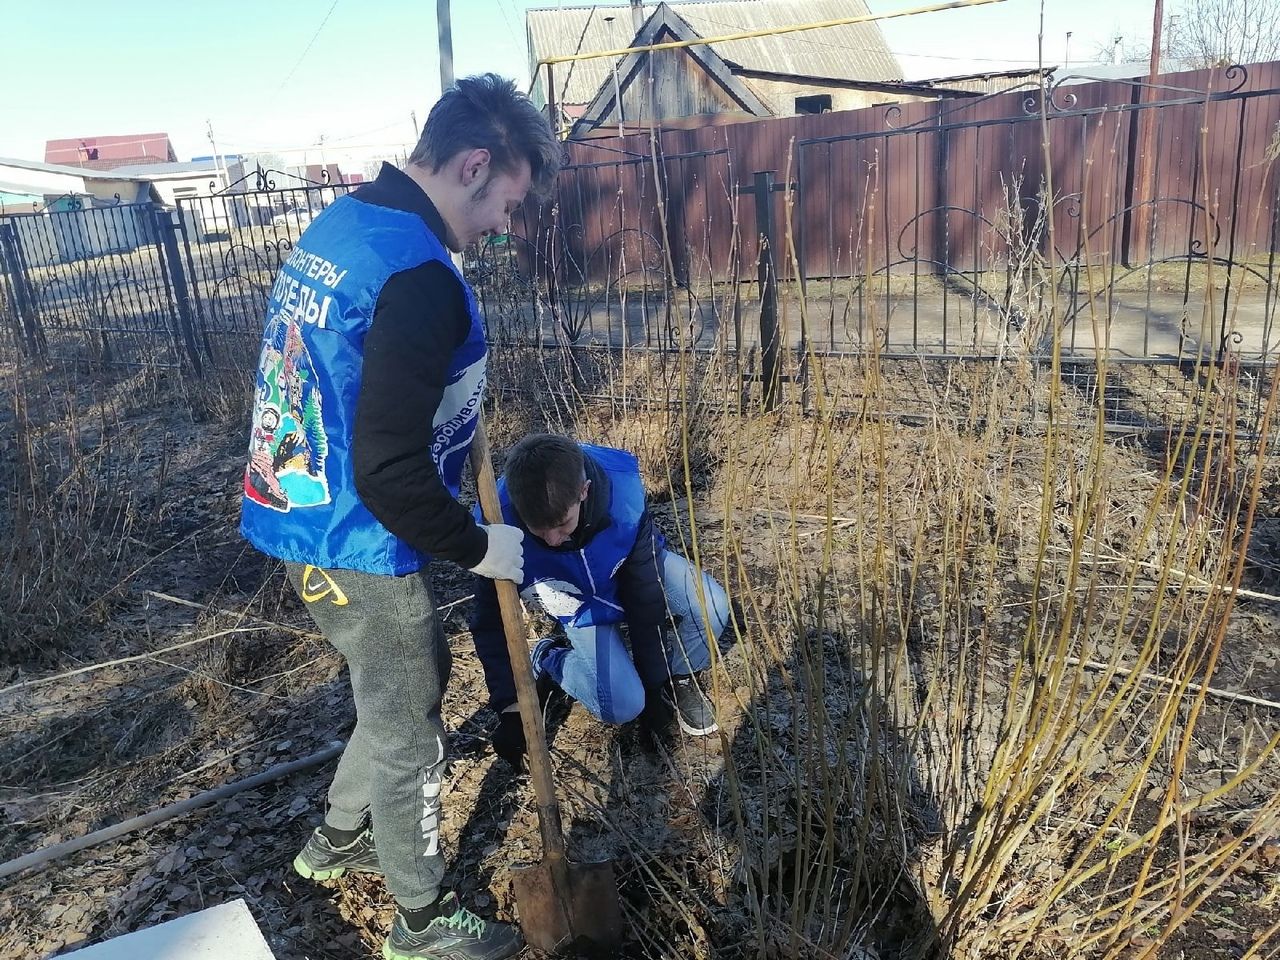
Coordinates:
563 905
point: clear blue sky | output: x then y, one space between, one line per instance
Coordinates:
276 75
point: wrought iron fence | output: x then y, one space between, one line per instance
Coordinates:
972 235
623 256
233 244
90 282
929 230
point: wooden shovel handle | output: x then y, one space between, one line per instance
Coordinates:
535 734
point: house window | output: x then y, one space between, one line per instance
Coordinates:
818 103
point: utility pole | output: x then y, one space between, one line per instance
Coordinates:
1066 53
225 180
218 162
1143 209
413 116
444 29
1157 34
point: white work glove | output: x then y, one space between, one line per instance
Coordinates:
504 560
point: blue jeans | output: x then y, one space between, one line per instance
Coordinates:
596 669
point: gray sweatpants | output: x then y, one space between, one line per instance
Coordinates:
390 633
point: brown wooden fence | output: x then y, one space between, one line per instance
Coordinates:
931 184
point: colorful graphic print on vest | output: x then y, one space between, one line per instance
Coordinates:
288 444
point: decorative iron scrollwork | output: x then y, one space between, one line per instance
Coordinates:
1238 75
1047 98
277 247
87 303
261 181
1067 101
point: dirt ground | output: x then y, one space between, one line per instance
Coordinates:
260 688
94 749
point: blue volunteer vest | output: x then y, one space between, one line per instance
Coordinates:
300 500
578 588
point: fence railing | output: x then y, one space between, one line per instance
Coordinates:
140 284
233 244
937 229
1147 229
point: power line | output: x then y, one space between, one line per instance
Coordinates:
365 133
309 45
502 7
340 149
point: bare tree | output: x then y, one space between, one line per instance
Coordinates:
268 161
1120 48
1214 33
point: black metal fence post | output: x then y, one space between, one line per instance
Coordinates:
767 272
8 297
12 265
185 333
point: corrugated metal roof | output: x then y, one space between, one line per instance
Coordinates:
145 171
88 173
854 52
989 83
111 150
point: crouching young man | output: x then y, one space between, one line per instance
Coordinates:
594 561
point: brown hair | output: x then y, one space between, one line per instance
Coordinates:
544 473
488 111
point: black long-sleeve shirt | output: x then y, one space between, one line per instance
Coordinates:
419 320
640 595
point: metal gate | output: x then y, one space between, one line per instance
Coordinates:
92 281
233 244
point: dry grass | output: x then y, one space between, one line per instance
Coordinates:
915 749
937 738
939 735
72 512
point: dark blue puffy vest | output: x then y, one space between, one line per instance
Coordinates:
300 500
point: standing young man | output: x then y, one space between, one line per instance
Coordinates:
371 377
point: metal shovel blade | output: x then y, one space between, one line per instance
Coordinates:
568 905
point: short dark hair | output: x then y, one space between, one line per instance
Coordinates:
545 473
488 112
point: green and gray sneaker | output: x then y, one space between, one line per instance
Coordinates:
321 860
456 934
696 715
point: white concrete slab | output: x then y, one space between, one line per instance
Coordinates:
225 932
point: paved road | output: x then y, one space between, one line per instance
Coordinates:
1131 324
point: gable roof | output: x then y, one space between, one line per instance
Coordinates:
663 25
852 52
